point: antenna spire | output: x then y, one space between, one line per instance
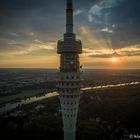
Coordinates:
69 17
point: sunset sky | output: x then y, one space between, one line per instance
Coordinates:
29 30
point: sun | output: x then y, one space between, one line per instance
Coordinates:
114 59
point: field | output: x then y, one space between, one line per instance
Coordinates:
23 94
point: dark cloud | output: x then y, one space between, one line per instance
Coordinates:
31 15
99 54
122 17
121 53
131 53
126 16
23 21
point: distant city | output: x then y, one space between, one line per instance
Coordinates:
13 81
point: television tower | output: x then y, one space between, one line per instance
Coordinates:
69 82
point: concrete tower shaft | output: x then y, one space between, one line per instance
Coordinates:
69 82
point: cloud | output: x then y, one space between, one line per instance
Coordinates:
35 48
106 30
96 10
121 17
30 28
90 18
14 34
128 51
99 53
77 12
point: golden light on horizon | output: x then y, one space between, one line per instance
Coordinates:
114 59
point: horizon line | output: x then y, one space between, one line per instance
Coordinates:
82 68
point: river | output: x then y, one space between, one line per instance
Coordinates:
10 106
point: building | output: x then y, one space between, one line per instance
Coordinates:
69 82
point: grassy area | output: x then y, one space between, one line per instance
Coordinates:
23 94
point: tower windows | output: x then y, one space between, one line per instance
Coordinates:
67 77
62 78
62 90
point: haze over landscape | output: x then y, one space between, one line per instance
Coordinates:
29 31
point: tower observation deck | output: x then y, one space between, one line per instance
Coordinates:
69 81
